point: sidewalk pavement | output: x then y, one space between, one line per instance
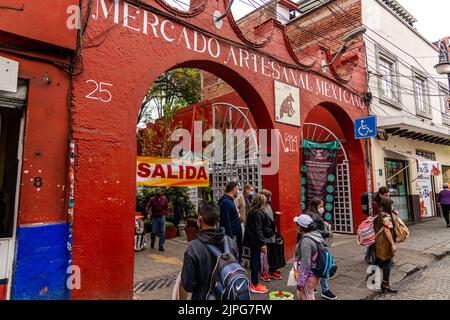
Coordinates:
428 243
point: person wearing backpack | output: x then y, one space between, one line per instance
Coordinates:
306 254
382 193
199 262
255 225
385 244
315 211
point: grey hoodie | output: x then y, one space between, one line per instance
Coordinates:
304 252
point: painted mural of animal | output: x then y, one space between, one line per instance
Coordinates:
287 107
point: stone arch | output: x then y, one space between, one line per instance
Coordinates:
339 120
246 90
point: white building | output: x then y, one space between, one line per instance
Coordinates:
409 100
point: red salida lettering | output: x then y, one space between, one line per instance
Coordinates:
159 172
191 172
169 173
202 174
144 170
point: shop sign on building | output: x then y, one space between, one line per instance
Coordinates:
162 172
429 168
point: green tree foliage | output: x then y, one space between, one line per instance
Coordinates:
177 197
173 90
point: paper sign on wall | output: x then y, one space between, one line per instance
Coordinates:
429 168
9 74
162 172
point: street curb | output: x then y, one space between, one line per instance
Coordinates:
441 256
437 257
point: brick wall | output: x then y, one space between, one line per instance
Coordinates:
326 25
213 86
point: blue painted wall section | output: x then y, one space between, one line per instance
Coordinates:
41 263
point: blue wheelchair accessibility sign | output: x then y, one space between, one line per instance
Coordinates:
366 127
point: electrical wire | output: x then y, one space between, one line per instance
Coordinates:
328 5
282 63
276 14
387 40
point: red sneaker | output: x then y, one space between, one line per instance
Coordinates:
275 275
258 289
265 278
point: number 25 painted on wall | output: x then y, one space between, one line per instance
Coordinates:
100 92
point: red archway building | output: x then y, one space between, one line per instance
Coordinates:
125 46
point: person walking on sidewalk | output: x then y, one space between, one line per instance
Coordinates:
316 211
306 253
385 246
199 262
158 208
229 216
254 238
444 203
274 242
382 193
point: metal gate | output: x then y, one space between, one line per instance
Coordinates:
245 167
343 215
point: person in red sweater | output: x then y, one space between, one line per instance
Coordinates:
158 208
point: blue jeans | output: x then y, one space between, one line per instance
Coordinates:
159 224
255 264
238 239
324 285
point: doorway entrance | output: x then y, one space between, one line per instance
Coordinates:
397 183
246 165
343 210
176 114
11 137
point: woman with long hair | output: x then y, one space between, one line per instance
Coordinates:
274 242
385 244
254 238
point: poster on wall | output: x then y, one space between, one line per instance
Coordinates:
287 104
429 168
161 172
425 197
318 179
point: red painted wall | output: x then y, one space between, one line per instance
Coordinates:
43 20
105 136
45 143
125 62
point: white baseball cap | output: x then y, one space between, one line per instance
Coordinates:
303 220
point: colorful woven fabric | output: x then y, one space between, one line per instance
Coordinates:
366 233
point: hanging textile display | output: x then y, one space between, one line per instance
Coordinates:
319 175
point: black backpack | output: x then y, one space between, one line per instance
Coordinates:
229 280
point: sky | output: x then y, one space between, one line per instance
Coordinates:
433 15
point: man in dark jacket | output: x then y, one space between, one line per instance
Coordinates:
199 262
229 216
158 208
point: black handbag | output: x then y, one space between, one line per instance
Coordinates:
275 254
